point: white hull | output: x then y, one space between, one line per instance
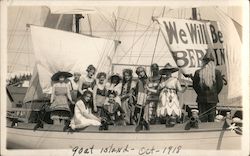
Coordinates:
28 139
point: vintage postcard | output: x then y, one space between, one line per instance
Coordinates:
124 78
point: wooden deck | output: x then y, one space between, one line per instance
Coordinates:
208 136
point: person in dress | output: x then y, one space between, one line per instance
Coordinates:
127 97
83 116
112 112
153 97
207 83
87 82
74 87
60 98
115 85
141 108
99 92
169 106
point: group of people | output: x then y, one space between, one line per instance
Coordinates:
84 100
18 80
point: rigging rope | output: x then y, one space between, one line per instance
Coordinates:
157 38
17 20
136 41
138 15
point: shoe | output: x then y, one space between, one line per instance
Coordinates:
138 128
188 126
146 125
65 128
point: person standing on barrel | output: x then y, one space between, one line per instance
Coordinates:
207 83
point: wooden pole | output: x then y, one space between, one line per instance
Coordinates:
194 13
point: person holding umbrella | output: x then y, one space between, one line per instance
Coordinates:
60 98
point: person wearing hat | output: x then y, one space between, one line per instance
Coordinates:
60 98
168 106
141 107
153 97
207 83
115 85
127 97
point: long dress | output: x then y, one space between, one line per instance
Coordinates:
60 106
79 120
169 103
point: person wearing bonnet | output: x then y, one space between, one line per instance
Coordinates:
207 83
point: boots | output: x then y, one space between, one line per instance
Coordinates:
172 121
146 125
142 124
139 127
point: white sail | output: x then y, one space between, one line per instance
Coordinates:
57 50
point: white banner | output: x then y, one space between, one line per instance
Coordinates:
57 50
189 40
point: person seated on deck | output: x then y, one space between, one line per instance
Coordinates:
83 116
99 92
115 85
169 107
60 99
112 112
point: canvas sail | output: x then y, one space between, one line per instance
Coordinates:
188 41
57 50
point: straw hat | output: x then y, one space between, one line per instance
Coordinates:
56 76
168 68
117 76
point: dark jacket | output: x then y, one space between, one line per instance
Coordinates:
111 112
206 94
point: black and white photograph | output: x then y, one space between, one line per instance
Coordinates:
120 79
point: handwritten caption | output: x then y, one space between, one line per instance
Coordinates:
111 149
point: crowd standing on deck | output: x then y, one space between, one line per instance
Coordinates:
101 100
